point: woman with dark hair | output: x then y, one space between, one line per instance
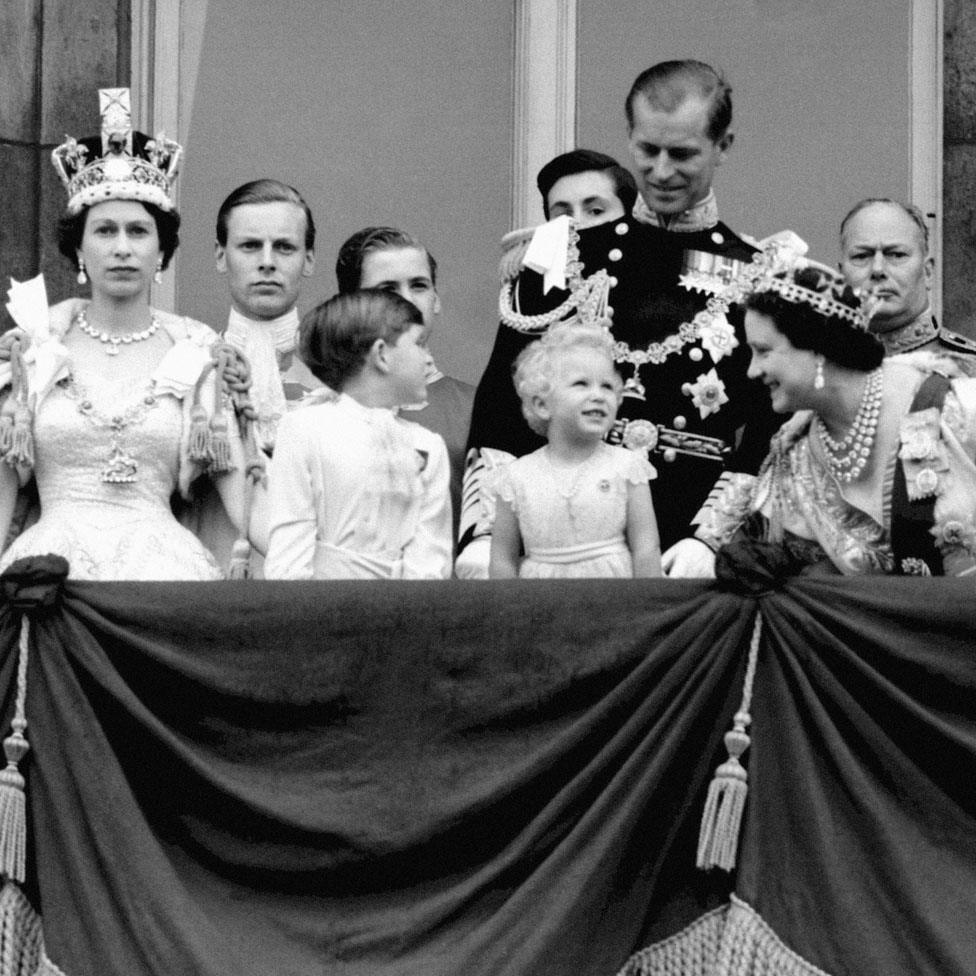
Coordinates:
874 471
71 235
113 404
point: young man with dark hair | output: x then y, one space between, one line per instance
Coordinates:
588 186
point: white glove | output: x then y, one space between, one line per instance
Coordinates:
689 557
472 563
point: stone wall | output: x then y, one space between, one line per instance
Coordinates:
55 54
959 168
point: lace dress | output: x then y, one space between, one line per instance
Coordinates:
107 527
573 522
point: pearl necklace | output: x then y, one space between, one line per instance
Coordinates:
111 342
848 457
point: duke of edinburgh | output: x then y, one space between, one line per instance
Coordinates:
682 354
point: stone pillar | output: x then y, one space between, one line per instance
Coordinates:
56 54
959 168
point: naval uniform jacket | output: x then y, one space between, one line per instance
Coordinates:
648 305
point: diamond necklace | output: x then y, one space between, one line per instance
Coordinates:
848 457
111 342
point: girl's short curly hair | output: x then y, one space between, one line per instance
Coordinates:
535 367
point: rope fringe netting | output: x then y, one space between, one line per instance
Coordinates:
730 941
21 939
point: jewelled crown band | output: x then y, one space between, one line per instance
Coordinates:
774 269
120 164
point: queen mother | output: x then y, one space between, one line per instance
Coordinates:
874 472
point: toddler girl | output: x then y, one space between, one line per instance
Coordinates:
577 507
354 491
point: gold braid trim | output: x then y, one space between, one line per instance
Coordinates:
729 941
580 290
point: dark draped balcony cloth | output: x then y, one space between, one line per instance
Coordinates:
504 778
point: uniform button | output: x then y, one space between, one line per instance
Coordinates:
717 238
670 454
695 354
621 229
613 281
616 254
679 423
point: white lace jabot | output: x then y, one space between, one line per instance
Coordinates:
262 342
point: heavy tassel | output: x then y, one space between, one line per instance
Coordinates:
13 807
21 453
718 840
13 800
219 445
240 561
220 459
6 432
198 448
220 455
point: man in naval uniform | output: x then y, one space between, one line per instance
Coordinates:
885 247
688 401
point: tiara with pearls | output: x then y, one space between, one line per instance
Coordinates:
120 164
774 269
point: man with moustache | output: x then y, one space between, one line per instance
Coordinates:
688 401
885 248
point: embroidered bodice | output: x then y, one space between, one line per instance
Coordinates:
107 462
76 446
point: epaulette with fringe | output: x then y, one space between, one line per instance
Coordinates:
588 298
514 245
